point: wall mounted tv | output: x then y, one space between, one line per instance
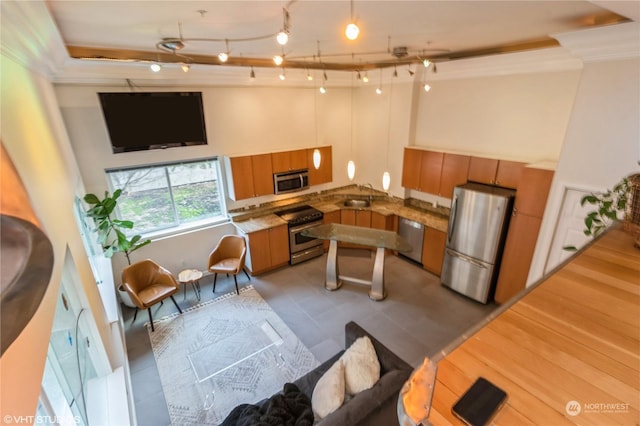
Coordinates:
153 120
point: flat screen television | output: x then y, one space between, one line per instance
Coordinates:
153 120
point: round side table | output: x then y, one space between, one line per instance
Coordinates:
190 276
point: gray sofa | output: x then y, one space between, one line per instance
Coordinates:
374 406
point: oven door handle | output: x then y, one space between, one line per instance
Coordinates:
300 228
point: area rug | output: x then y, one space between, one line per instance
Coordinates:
218 328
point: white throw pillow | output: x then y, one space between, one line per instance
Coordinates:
328 395
361 366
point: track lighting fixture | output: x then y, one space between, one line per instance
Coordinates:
426 62
379 88
365 77
278 60
426 87
282 75
410 71
155 67
309 76
252 76
185 67
352 31
395 71
323 89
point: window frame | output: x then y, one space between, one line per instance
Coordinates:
179 227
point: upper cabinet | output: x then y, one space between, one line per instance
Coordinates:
289 160
495 172
433 172
252 175
249 176
324 174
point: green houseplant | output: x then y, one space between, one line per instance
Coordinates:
609 205
110 230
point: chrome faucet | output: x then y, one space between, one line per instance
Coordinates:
370 192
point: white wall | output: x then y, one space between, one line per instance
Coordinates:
34 137
519 117
602 144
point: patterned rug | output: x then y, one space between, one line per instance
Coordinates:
218 333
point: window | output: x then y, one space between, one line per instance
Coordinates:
168 195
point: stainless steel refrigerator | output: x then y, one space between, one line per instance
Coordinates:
477 229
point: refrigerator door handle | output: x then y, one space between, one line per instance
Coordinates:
466 258
452 224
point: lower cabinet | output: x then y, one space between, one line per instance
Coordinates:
433 247
331 217
268 249
357 218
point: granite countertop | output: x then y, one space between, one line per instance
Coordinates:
264 217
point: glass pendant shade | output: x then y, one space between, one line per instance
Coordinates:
386 181
352 31
351 169
317 158
282 38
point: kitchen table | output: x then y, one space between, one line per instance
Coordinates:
377 238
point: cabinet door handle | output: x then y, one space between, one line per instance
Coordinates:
514 212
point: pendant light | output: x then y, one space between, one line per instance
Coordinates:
317 156
386 176
351 166
352 31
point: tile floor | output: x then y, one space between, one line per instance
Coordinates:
417 319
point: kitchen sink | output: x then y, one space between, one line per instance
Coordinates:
356 203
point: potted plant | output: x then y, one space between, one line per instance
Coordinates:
110 231
610 205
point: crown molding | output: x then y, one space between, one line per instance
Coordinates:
30 37
613 42
533 61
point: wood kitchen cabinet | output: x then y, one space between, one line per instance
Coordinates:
433 246
268 249
454 172
249 176
495 172
357 218
380 221
530 202
289 160
325 173
434 172
330 217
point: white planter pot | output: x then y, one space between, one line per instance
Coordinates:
125 298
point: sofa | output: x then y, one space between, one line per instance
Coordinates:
374 406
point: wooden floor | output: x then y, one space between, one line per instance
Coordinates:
572 343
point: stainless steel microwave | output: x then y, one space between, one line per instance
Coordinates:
295 180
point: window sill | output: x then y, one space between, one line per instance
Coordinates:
185 229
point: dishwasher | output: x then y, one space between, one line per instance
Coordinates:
413 232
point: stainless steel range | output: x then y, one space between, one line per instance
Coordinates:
299 218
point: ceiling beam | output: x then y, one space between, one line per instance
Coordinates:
128 55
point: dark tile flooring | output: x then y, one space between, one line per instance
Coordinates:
418 318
